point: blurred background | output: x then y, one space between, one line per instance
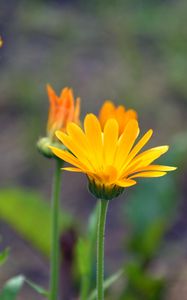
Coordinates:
134 53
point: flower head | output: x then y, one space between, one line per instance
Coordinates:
110 161
1 42
63 109
119 113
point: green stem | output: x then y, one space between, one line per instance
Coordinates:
54 268
100 249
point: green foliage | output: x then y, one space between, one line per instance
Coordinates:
86 254
29 214
107 283
141 285
40 290
4 256
83 249
178 151
149 211
12 288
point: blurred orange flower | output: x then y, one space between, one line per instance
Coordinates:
63 109
119 113
1 42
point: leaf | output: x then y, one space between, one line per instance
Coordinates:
107 283
178 151
12 288
92 224
141 285
35 212
149 212
37 288
83 249
151 201
4 255
86 254
86 245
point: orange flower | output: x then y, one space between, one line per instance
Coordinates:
63 109
119 113
111 162
1 42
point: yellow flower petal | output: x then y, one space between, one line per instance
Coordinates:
66 156
109 160
126 183
157 168
78 136
110 174
110 141
76 148
93 133
71 169
143 141
148 174
144 159
126 142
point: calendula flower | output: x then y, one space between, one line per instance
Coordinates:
111 162
1 42
63 109
119 113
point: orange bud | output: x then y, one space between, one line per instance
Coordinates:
63 109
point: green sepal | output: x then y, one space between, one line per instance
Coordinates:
101 191
43 147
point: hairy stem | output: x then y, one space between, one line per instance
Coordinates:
100 248
54 268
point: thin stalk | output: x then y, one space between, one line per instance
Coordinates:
100 249
54 268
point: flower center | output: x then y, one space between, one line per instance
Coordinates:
108 175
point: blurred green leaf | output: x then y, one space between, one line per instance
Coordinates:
4 256
107 283
152 237
83 256
12 288
86 253
150 210
151 201
92 223
86 246
146 244
152 205
141 285
37 288
178 151
29 214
